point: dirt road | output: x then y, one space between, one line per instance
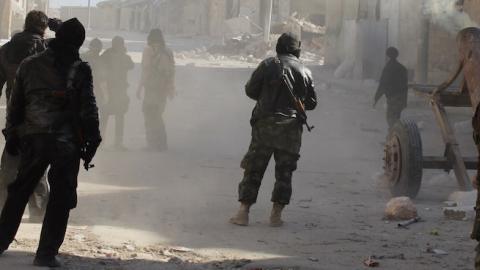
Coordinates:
143 210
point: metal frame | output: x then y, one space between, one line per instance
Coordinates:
452 159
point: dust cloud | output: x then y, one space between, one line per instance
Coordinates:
146 206
448 14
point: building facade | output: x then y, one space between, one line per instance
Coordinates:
13 12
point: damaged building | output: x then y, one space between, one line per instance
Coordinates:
423 31
12 14
199 17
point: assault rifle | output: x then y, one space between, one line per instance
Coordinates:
299 106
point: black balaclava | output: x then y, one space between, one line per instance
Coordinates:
68 40
289 43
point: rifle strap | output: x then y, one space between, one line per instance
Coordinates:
279 79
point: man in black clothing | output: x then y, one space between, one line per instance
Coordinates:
53 119
394 85
22 45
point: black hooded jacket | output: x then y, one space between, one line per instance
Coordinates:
21 46
40 104
272 96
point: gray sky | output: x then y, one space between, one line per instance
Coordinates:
59 3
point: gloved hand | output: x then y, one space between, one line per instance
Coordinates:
12 146
89 150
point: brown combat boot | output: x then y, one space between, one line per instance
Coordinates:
276 216
241 219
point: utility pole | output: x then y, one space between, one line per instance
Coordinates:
268 20
89 14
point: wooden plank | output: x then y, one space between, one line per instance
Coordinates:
448 98
453 152
431 162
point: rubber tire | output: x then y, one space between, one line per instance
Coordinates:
410 179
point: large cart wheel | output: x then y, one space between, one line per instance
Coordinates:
403 159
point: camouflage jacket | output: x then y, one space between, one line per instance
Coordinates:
271 95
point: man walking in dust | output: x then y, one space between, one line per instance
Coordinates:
22 45
394 85
158 81
53 118
117 65
276 128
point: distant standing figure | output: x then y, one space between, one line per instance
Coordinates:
158 81
117 65
394 85
93 58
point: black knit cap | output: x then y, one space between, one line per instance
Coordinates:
72 33
289 43
392 53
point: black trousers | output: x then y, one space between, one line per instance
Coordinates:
38 153
8 171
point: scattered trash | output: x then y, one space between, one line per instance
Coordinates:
400 208
405 224
436 251
434 232
313 259
400 256
450 203
371 263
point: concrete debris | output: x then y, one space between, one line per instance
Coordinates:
400 208
459 212
371 263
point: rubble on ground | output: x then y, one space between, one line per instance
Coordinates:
460 205
83 250
243 45
400 208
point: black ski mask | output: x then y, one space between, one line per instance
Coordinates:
68 40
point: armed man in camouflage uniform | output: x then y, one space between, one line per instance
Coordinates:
394 85
276 129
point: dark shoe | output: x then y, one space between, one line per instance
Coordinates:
47 262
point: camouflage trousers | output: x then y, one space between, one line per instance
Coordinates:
278 136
